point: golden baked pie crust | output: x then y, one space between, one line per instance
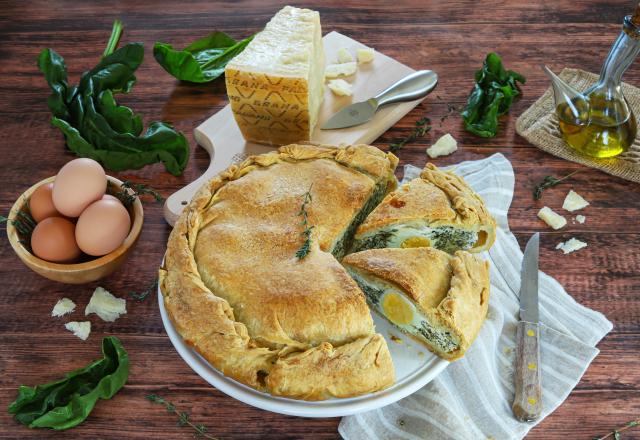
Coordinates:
454 289
438 197
305 330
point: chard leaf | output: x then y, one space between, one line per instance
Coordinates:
95 126
203 60
492 96
67 402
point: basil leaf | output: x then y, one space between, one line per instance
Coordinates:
203 60
65 403
95 126
492 96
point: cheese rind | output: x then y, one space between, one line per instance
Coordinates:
444 146
574 202
340 87
275 86
553 219
343 69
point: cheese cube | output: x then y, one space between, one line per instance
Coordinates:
344 56
344 69
80 329
556 221
443 146
574 202
580 218
62 307
365 55
571 245
275 85
340 87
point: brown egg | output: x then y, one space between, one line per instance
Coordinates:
53 239
78 184
102 227
41 203
110 197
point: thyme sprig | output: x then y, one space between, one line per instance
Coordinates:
616 432
422 127
131 190
141 296
306 233
183 416
548 182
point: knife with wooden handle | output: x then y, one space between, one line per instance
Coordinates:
527 403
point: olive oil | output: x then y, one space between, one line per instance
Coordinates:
604 128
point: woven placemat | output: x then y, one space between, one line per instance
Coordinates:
539 125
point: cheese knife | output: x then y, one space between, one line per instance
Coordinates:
527 403
414 86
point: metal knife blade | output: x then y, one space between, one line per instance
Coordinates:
414 86
354 114
529 285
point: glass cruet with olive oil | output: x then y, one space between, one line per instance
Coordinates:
599 122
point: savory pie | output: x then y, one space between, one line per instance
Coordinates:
439 299
437 209
280 313
236 291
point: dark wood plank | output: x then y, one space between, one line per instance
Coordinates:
449 37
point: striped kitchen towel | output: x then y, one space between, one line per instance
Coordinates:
472 398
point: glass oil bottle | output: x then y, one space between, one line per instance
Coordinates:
599 121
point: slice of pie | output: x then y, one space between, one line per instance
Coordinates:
439 299
236 289
437 209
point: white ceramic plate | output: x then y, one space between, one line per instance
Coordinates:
415 367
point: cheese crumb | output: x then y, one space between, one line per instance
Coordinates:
340 87
365 55
62 307
344 56
581 219
556 221
574 202
342 69
105 305
571 245
79 329
443 146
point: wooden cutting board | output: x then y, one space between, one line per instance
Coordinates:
221 137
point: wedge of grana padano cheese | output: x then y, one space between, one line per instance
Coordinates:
275 85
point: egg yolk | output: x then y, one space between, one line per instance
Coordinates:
397 309
414 242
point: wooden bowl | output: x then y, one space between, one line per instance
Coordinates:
76 273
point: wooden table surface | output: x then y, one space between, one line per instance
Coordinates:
451 38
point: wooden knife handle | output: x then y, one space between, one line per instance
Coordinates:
527 403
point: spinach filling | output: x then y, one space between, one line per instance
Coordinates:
450 239
378 240
445 238
441 338
342 245
372 294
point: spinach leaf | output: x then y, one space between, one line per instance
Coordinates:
492 96
95 126
201 61
67 402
